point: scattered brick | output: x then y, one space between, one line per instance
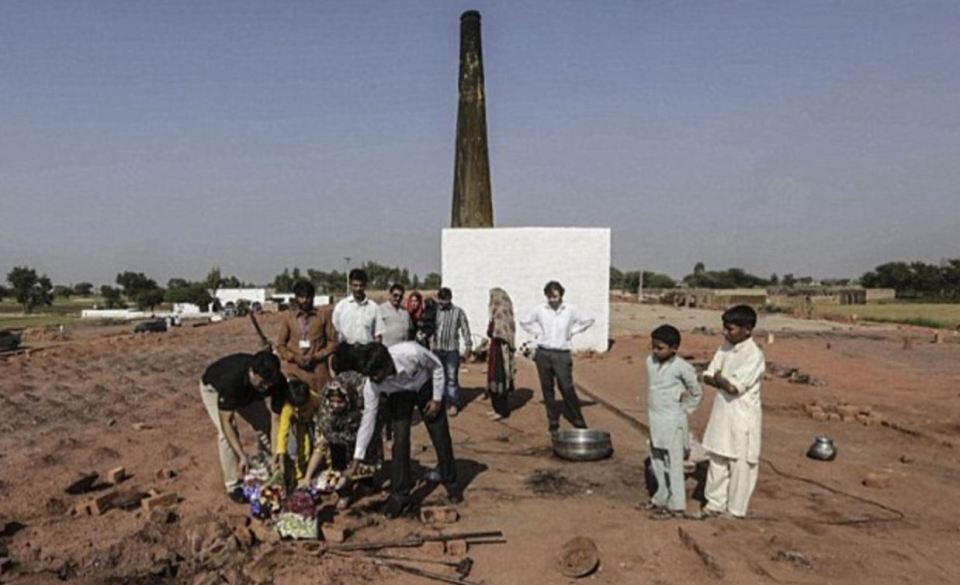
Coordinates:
433 548
335 532
116 475
97 506
159 501
457 548
439 515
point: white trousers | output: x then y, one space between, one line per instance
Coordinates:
730 484
667 466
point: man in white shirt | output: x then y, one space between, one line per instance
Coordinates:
554 324
395 318
408 376
357 321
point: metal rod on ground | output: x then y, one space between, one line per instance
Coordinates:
406 569
417 540
462 567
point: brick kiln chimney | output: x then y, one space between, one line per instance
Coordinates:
472 200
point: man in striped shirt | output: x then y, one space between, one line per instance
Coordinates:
451 326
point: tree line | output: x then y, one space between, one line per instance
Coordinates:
917 280
381 277
32 290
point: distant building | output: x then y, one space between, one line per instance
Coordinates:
714 298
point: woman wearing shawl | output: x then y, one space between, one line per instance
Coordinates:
337 422
421 327
502 332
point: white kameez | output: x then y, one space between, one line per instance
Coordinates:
733 433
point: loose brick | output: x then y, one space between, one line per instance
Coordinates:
834 416
98 505
439 515
819 415
244 536
159 501
433 548
116 475
457 548
335 532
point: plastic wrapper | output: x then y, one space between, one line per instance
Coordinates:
297 526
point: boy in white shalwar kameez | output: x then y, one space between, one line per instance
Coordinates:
673 392
732 437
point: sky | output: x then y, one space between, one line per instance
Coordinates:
813 138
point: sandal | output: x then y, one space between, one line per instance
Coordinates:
647 506
665 514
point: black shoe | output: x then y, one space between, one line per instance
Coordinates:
455 495
395 507
236 494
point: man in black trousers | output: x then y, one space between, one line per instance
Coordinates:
554 323
409 376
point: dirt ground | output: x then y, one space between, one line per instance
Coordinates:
99 402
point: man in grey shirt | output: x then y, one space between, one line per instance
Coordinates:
396 320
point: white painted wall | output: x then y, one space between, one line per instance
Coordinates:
522 261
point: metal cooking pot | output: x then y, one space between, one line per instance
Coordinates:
582 444
822 449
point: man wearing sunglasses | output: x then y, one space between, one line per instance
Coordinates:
396 319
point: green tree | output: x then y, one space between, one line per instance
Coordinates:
214 278
83 289
62 292
177 283
4 293
284 281
195 293
149 298
657 280
616 278
134 283
112 297
774 279
231 282
30 290
789 280
432 281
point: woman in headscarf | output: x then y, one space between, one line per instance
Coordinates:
502 332
417 310
337 422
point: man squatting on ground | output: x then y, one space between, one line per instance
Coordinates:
673 392
409 376
451 325
554 324
237 385
732 436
